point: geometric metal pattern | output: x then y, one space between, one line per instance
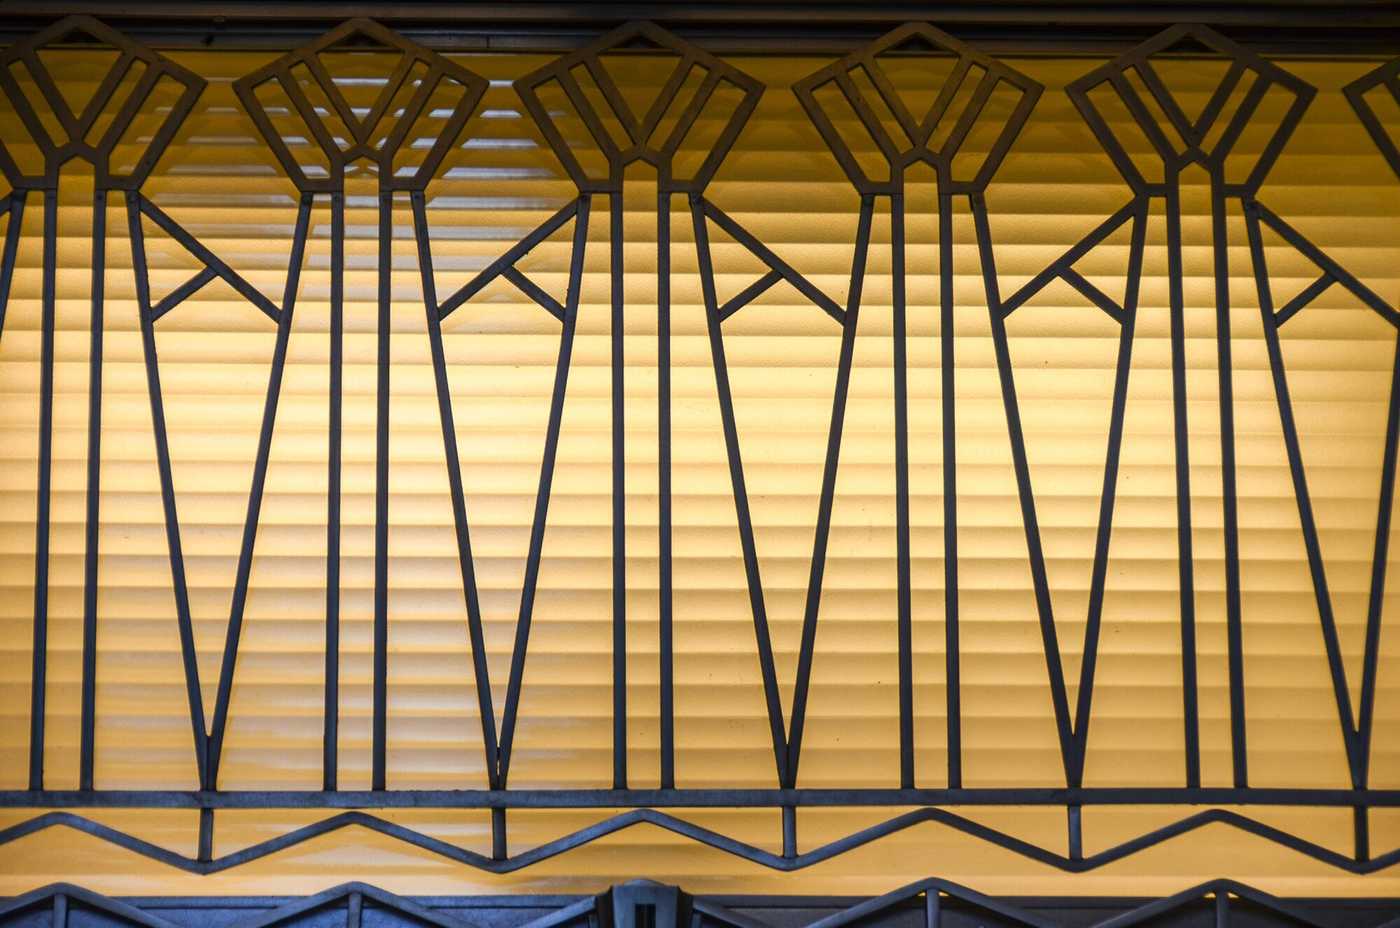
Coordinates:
347 132
928 903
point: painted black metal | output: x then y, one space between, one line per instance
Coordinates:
831 27
911 143
930 903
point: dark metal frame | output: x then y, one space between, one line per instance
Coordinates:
930 903
1177 146
827 28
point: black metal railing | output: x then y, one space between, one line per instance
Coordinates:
935 139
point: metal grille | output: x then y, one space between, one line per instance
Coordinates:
423 79
928 903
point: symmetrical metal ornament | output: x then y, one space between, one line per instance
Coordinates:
346 134
320 133
928 903
935 138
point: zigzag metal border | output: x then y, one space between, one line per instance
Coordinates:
612 906
701 836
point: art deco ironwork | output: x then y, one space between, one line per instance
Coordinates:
346 135
930 903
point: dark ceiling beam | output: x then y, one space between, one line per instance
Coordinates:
1361 27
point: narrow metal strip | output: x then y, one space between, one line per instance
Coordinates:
380 732
92 518
39 672
330 722
617 362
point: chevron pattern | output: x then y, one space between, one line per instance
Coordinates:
929 903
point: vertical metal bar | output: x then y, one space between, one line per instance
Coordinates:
1234 625
1222 908
188 652
663 392
1075 832
933 910
950 480
498 834
354 908
789 831
41 531
60 910
901 483
94 491
1185 563
1361 834
331 720
619 496
205 852
381 499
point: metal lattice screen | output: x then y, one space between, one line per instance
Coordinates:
971 465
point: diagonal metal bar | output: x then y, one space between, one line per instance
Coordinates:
703 836
1350 737
1092 293
528 287
580 209
255 494
189 655
822 533
513 254
763 253
750 293
1030 522
476 636
211 260
1379 565
183 292
1316 255
1065 262
763 639
1107 496
14 208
